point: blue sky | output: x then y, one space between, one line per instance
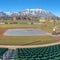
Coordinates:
18 5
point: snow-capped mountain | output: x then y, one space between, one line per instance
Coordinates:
36 12
29 13
11 13
33 12
2 14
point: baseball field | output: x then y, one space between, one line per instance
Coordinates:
25 40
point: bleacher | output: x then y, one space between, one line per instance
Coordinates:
6 54
2 51
42 53
38 53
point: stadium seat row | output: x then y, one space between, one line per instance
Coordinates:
40 53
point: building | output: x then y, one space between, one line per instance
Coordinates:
42 20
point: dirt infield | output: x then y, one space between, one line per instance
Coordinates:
2 30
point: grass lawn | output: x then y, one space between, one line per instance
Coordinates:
16 25
42 27
25 40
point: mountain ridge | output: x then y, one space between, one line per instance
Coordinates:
30 13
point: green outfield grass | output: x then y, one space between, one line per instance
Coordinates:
26 40
42 27
16 25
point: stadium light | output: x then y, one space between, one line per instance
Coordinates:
54 29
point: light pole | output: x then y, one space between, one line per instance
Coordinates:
54 29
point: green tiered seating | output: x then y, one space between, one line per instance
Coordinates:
2 51
42 53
